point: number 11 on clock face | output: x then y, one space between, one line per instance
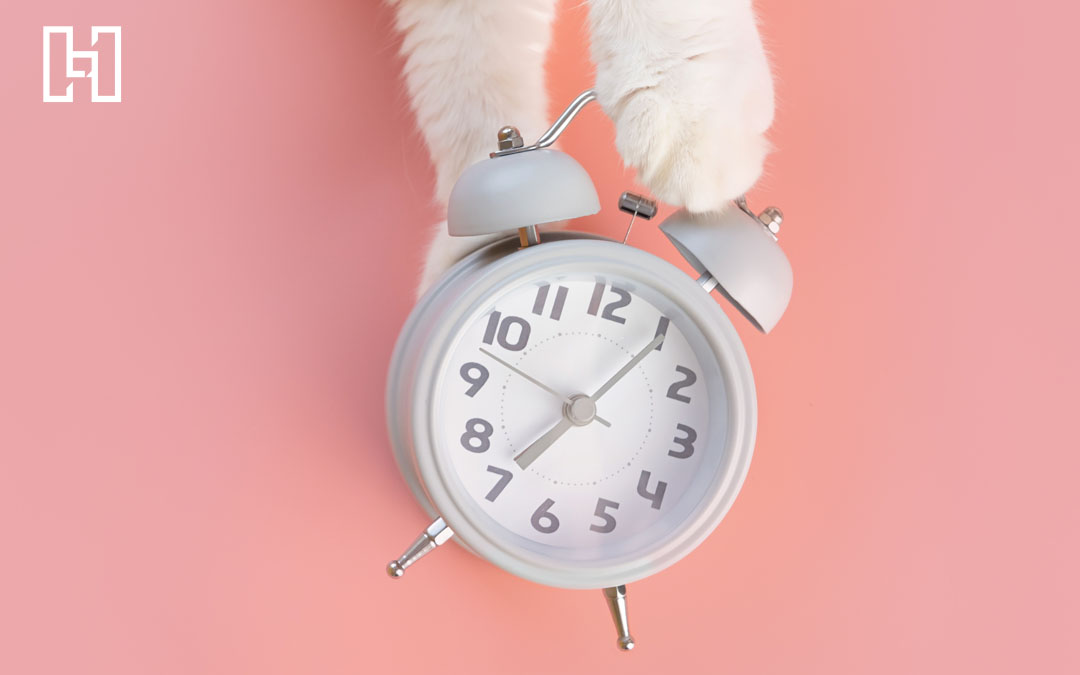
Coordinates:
613 467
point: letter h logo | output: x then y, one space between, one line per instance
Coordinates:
71 55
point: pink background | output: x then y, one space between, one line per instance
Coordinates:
200 288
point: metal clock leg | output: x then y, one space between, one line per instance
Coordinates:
616 599
435 535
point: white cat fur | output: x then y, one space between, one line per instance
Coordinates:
686 82
688 87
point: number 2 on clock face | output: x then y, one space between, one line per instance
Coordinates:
511 378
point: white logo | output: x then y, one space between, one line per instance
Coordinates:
72 55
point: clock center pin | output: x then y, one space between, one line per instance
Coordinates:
580 409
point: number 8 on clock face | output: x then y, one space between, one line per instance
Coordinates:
599 486
577 411
582 413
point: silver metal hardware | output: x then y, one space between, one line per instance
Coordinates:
616 599
570 113
708 282
770 217
580 409
552 134
436 534
510 137
528 236
635 205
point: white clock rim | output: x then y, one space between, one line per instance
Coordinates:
435 473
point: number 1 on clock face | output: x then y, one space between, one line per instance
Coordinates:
517 371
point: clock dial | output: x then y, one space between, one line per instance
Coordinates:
583 415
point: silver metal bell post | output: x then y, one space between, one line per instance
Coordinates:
510 140
436 534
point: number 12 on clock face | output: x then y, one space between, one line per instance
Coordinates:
533 366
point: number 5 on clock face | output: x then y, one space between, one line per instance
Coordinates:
531 362
574 410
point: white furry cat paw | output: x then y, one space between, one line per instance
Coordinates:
688 87
444 251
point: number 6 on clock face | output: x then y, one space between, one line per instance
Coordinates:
595 488
574 410
589 418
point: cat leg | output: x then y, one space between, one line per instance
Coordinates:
471 67
443 251
688 86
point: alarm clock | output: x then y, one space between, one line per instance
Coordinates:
572 409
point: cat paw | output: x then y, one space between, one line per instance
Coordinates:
690 110
445 251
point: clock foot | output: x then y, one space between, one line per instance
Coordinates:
435 535
616 599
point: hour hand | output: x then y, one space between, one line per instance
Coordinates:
537 448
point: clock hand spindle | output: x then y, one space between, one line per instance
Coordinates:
537 448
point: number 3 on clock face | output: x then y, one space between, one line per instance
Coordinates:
631 464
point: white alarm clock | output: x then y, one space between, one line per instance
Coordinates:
574 410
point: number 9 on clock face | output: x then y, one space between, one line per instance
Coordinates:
620 473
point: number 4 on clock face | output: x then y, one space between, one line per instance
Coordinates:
571 411
579 332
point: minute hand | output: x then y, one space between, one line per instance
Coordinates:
628 367
537 448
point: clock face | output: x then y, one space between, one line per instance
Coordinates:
584 416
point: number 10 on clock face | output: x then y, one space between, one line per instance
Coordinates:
627 454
